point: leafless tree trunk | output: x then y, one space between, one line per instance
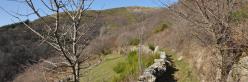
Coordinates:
213 17
141 38
65 37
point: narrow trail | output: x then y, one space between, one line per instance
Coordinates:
169 75
177 70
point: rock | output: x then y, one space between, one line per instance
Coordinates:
162 55
133 48
155 70
156 49
180 58
146 49
240 71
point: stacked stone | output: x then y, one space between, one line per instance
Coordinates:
155 70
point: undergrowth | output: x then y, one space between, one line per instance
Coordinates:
129 69
161 27
185 73
239 15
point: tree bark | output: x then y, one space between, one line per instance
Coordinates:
76 72
229 57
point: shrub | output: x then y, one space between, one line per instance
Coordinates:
149 59
161 28
129 68
120 67
134 41
151 46
239 15
132 57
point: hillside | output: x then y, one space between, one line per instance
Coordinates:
119 32
121 28
19 50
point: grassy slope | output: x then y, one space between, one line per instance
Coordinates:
185 73
118 17
104 72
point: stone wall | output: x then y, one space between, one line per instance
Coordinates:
155 70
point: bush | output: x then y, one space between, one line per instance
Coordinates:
129 68
120 67
151 46
149 60
134 41
161 28
239 15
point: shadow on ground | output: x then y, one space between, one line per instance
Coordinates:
168 76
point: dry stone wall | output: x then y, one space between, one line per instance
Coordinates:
155 70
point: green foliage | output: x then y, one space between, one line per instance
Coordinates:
239 15
149 60
120 67
104 71
134 41
151 46
132 57
115 79
185 72
129 68
161 27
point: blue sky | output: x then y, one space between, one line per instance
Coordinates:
97 5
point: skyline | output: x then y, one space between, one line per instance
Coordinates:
13 7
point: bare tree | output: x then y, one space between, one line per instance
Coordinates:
213 17
68 37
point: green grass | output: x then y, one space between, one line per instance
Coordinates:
151 46
129 69
117 68
126 68
161 27
185 73
239 15
104 72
